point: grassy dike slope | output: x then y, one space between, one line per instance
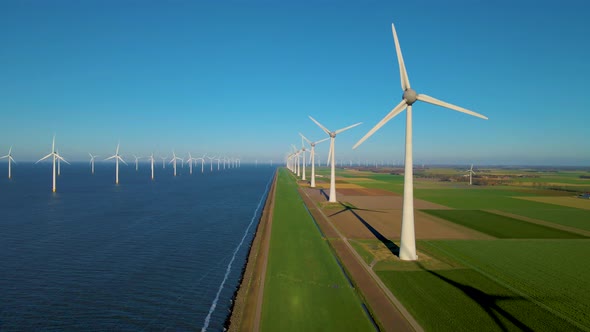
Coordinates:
305 289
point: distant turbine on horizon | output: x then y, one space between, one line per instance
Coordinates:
92 162
164 162
173 161
10 160
409 97
471 172
117 157
136 162
211 162
55 156
331 155
190 161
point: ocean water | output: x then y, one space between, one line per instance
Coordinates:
139 256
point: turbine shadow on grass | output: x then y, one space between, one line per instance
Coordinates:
323 192
488 302
394 248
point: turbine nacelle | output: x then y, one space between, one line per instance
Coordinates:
410 96
332 134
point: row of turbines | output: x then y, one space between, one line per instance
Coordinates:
57 159
409 97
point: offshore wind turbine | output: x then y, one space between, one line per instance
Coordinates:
409 97
117 158
136 162
190 162
55 156
173 161
211 162
312 156
163 162
331 155
10 160
92 162
152 164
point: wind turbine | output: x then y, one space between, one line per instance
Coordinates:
296 154
312 156
92 161
331 154
10 160
211 162
173 161
55 156
136 162
190 162
202 163
117 157
409 97
471 172
152 164
163 162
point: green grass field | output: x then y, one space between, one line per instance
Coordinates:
501 226
305 289
552 273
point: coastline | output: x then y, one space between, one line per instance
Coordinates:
247 299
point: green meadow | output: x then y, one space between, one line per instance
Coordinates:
305 289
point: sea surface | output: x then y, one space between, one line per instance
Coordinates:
143 255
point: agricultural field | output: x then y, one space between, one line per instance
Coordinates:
305 288
502 257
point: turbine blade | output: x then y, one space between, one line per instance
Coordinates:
6 156
345 129
395 111
47 156
111 157
322 140
330 151
400 59
434 101
121 159
117 148
320 125
305 138
62 159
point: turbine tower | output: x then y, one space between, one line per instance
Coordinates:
312 156
173 161
190 161
211 162
10 160
409 97
331 155
471 172
163 162
55 156
92 162
136 162
152 164
117 158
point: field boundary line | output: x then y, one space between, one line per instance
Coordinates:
541 222
397 304
511 288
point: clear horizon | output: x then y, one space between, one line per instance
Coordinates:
241 78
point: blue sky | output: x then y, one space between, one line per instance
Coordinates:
241 77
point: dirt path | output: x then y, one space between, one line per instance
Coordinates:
388 311
247 308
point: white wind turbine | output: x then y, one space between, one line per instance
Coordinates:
164 162
471 172
10 160
331 154
55 156
92 161
173 161
117 158
202 159
152 164
312 156
136 162
409 97
211 162
190 161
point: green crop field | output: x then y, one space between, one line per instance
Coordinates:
501 226
305 289
552 273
